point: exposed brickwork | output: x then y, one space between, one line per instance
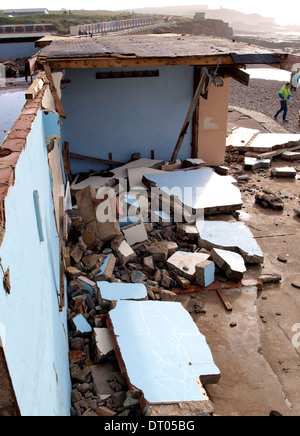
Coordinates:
12 148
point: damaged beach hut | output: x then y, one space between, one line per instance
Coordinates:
133 130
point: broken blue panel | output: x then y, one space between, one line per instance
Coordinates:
122 291
103 266
81 324
209 274
87 287
234 236
132 200
128 220
163 351
38 215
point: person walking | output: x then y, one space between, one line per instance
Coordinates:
284 95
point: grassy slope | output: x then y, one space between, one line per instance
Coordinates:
64 21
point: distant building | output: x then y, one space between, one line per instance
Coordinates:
199 16
16 12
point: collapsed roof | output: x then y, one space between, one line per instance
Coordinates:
144 50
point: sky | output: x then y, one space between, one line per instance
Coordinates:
287 12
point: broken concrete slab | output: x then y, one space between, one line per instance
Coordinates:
122 172
81 324
122 291
86 207
196 192
291 155
188 163
186 232
232 236
161 251
167 343
135 234
96 182
105 271
269 273
91 240
269 201
231 263
239 138
103 342
100 218
136 175
286 172
265 142
184 263
101 373
252 163
205 273
125 253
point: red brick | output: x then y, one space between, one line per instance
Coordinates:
30 110
11 159
18 134
24 122
7 176
14 144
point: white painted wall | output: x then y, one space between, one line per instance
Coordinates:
124 116
33 331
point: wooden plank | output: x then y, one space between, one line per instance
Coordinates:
237 74
271 154
94 159
66 159
195 123
188 118
110 62
224 299
57 102
172 167
35 87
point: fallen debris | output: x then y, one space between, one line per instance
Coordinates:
252 163
136 266
197 192
205 273
103 342
269 273
234 236
291 155
269 201
184 263
188 361
231 263
121 291
287 172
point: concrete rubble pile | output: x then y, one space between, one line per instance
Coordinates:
139 255
271 156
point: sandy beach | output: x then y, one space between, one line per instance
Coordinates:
262 96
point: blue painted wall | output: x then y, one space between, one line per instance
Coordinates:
124 116
15 50
33 331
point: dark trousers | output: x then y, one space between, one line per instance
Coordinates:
284 109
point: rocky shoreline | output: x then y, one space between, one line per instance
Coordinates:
262 96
